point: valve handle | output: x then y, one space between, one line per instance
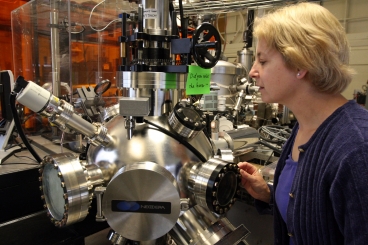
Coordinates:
102 87
206 37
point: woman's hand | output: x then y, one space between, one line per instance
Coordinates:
253 182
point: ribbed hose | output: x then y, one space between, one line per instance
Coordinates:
18 125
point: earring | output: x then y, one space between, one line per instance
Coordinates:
298 74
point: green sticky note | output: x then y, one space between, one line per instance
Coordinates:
198 80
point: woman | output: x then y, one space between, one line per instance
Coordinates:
319 194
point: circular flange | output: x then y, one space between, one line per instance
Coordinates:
216 184
65 189
206 37
102 87
142 201
186 119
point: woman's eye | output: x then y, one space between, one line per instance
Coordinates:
262 62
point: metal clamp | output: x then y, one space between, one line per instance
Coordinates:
184 204
99 191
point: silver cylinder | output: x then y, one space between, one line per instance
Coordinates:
156 17
65 189
145 197
225 74
154 85
198 226
245 57
213 184
55 48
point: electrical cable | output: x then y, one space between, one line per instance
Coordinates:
90 16
18 126
26 157
181 141
261 142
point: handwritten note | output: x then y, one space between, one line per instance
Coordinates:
198 80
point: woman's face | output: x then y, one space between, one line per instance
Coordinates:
277 82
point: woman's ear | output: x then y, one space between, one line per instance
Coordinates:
301 74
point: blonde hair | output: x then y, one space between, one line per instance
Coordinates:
309 37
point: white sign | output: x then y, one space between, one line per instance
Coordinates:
150 14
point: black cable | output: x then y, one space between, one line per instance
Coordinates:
173 18
26 157
14 145
269 146
181 141
181 13
18 125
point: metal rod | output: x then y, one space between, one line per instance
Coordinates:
55 48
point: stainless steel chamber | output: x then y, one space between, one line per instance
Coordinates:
150 164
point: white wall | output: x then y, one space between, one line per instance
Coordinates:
353 15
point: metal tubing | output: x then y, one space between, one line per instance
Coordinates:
55 48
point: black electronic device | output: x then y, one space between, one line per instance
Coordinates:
6 116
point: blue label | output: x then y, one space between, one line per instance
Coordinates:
141 207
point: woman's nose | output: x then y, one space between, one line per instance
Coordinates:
253 72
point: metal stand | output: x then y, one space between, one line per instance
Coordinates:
6 153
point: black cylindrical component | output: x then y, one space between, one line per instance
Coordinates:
174 25
181 11
140 18
123 45
249 32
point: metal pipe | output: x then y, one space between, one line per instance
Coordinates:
55 49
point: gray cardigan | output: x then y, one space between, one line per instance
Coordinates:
329 200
